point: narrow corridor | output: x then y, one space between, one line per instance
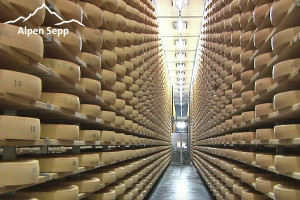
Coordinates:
181 183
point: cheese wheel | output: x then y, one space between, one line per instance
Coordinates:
128 95
248 136
263 37
286 99
237 86
108 96
289 131
261 61
66 101
58 164
71 41
94 14
120 70
118 188
93 61
90 110
20 84
109 59
128 124
121 22
263 109
104 195
109 77
107 177
27 129
17 197
135 113
253 195
109 40
108 116
237 137
283 38
60 131
284 68
248 96
128 110
89 135
119 137
120 172
119 104
121 40
52 192
119 155
248 116
266 185
120 55
91 85
248 157
128 183
286 191
69 9
247 76
110 5
107 157
264 160
287 163
86 185
264 134
19 172
88 160
127 196
107 136
120 121
92 36
110 21
237 102
27 9
119 87
21 42
250 176
128 80
263 84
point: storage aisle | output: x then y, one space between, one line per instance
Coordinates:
180 182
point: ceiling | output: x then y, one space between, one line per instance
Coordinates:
167 15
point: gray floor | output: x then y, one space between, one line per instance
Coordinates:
181 183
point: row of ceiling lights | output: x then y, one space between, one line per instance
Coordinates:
180 43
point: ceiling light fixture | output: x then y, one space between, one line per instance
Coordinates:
181 56
180 43
181 125
180 3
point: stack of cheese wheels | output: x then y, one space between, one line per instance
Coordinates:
20 172
54 192
89 160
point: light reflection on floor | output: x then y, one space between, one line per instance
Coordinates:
181 183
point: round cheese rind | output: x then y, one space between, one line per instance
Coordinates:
263 84
248 96
31 46
119 87
71 41
19 172
109 59
86 185
27 129
282 39
109 77
58 164
119 104
67 101
90 110
286 99
91 85
289 131
92 36
69 9
110 21
54 192
264 159
284 68
107 136
107 157
108 116
89 135
108 96
109 195
286 191
60 131
20 84
266 185
88 160
94 14
119 137
66 69
264 134
120 70
263 109
93 61
120 121
287 163
109 40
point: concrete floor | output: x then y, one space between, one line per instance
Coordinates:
180 183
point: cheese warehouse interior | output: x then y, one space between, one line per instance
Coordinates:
149 99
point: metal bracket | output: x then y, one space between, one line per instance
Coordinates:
9 153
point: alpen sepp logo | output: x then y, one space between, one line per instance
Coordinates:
47 30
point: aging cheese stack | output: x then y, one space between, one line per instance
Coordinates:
245 99
70 102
